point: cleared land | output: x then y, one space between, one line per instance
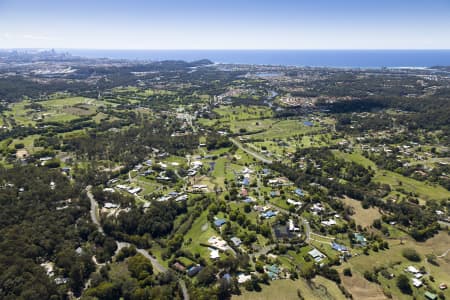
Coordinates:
362 289
363 217
283 129
395 263
397 181
422 189
320 288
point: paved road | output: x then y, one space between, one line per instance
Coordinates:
94 209
120 245
307 229
163 269
444 223
250 152
160 268
258 187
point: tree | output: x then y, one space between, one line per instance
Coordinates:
411 254
224 289
348 272
140 267
403 284
207 275
377 223
431 258
105 290
76 279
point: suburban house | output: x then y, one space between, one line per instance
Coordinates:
219 222
236 241
316 255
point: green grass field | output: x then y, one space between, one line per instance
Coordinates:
422 189
242 113
397 181
199 233
284 129
251 126
320 288
355 157
54 110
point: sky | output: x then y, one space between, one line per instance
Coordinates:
225 24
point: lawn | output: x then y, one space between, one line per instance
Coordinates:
28 143
153 92
20 114
125 89
148 185
219 171
199 233
277 201
355 157
70 101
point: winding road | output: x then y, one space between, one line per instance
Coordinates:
94 209
120 245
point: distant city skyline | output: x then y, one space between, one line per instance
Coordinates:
232 24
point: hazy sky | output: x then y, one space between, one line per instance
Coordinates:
225 24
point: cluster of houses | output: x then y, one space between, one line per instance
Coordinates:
217 243
173 195
129 189
191 271
199 188
265 211
195 166
317 208
279 181
417 275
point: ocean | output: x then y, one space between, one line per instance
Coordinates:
312 58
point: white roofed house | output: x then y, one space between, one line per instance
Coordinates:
109 205
214 254
416 282
292 227
236 241
412 269
293 202
317 208
243 278
316 255
330 222
134 190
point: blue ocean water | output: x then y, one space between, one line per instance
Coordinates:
313 58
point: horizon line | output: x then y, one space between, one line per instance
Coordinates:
234 49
